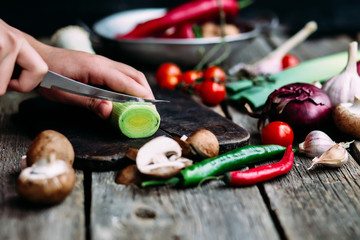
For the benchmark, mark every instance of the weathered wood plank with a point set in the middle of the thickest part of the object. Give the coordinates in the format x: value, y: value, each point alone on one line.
x: 18, y: 219
x: 211, y: 211
x: 318, y: 204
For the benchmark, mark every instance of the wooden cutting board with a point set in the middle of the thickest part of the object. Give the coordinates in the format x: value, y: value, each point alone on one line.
x: 99, y: 146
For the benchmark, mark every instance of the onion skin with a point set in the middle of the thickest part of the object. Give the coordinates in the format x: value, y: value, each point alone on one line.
x: 303, y: 106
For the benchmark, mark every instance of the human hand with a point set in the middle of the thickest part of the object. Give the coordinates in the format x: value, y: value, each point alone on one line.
x: 15, y: 49
x: 95, y: 70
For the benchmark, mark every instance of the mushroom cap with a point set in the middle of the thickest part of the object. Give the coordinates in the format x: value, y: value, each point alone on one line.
x: 161, y: 157
x: 46, y: 182
x: 347, y: 118
x: 47, y: 142
x: 204, y: 142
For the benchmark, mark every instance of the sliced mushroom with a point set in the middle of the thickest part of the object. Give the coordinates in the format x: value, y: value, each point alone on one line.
x: 161, y: 157
x: 49, y: 180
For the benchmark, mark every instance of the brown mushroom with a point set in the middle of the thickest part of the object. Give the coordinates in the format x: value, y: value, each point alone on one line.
x: 47, y: 142
x: 48, y: 181
x: 199, y: 145
x: 347, y: 117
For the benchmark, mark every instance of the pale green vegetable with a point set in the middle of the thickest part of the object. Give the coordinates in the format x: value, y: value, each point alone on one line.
x: 318, y: 69
x: 135, y: 120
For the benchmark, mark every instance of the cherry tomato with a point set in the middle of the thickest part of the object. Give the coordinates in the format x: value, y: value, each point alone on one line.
x: 214, y: 73
x: 212, y: 93
x: 289, y: 60
x: 189, y: 77
x: 169, y: 81
x: 165, y: 70
x: 277, y: 132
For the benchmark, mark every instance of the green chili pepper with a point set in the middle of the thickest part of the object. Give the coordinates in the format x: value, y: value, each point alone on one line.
x: 218, y: 165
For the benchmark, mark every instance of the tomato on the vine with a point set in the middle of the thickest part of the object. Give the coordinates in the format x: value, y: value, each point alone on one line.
x: 214, y: 73
x: 277, y: 132
x: 165, y: 70
x: 189, y: 77
x: 169, y: 82
x: 289, y: 60
x: 212, y: 93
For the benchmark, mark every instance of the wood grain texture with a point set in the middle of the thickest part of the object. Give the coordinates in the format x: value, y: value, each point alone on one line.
x: 211, y: 211
x: 19, y: 219
x: 322, y: 203
x: 318, y: 204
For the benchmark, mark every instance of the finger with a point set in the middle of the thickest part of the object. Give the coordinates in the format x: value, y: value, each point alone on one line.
x: 6, y: 70
x: 101, y: 107
x: 121, y: 81
x: 33, y: 69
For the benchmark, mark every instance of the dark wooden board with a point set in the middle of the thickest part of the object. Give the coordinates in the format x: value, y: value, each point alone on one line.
x: 99, y: 146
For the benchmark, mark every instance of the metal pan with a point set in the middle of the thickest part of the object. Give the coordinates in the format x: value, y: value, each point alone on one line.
x: 154, y: 51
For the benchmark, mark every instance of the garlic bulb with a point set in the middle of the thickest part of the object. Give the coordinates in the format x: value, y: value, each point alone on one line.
x: 336, y: 156
x: 316, y: 143
x: 74, y: 38
x: 344, y: 86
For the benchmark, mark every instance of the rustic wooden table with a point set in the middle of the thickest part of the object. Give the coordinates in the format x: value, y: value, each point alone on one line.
x: 319, y: 204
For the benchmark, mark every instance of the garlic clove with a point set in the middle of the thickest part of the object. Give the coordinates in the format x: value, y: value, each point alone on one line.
x: 336, y: 156
x: 316, y: 143
x: 344, y: 86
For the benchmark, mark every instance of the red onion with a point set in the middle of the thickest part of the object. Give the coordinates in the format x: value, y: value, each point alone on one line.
x: 303, y: 106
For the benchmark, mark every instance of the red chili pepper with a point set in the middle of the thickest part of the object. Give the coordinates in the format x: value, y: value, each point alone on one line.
x: 194, y: 11
x: 261, y: 173
x: 180, y: 31
x: 184, y: 31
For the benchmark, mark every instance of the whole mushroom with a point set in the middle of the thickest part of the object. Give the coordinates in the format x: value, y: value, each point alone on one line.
x: 347, y: 117
x: 201, y: 144
x: 48, y: 181
x: 47, y: 142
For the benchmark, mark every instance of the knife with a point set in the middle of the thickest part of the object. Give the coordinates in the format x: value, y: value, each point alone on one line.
x: 56, y: 81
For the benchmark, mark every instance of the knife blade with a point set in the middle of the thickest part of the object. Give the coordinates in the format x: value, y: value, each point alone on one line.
x: 56, y: 81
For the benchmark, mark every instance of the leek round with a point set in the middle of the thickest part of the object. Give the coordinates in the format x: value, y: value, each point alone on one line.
x: 135, y: 120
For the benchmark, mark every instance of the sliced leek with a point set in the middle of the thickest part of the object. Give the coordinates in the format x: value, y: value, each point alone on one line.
x: 319, y: 69
x: 135, y: 120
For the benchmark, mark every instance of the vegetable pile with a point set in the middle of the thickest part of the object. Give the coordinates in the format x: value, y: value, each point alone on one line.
x: 208, y: 84
x: 181, y: 21
x: 189, y: 161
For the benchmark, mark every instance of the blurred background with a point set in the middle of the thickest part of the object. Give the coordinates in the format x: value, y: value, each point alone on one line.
x: 44, y: 17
